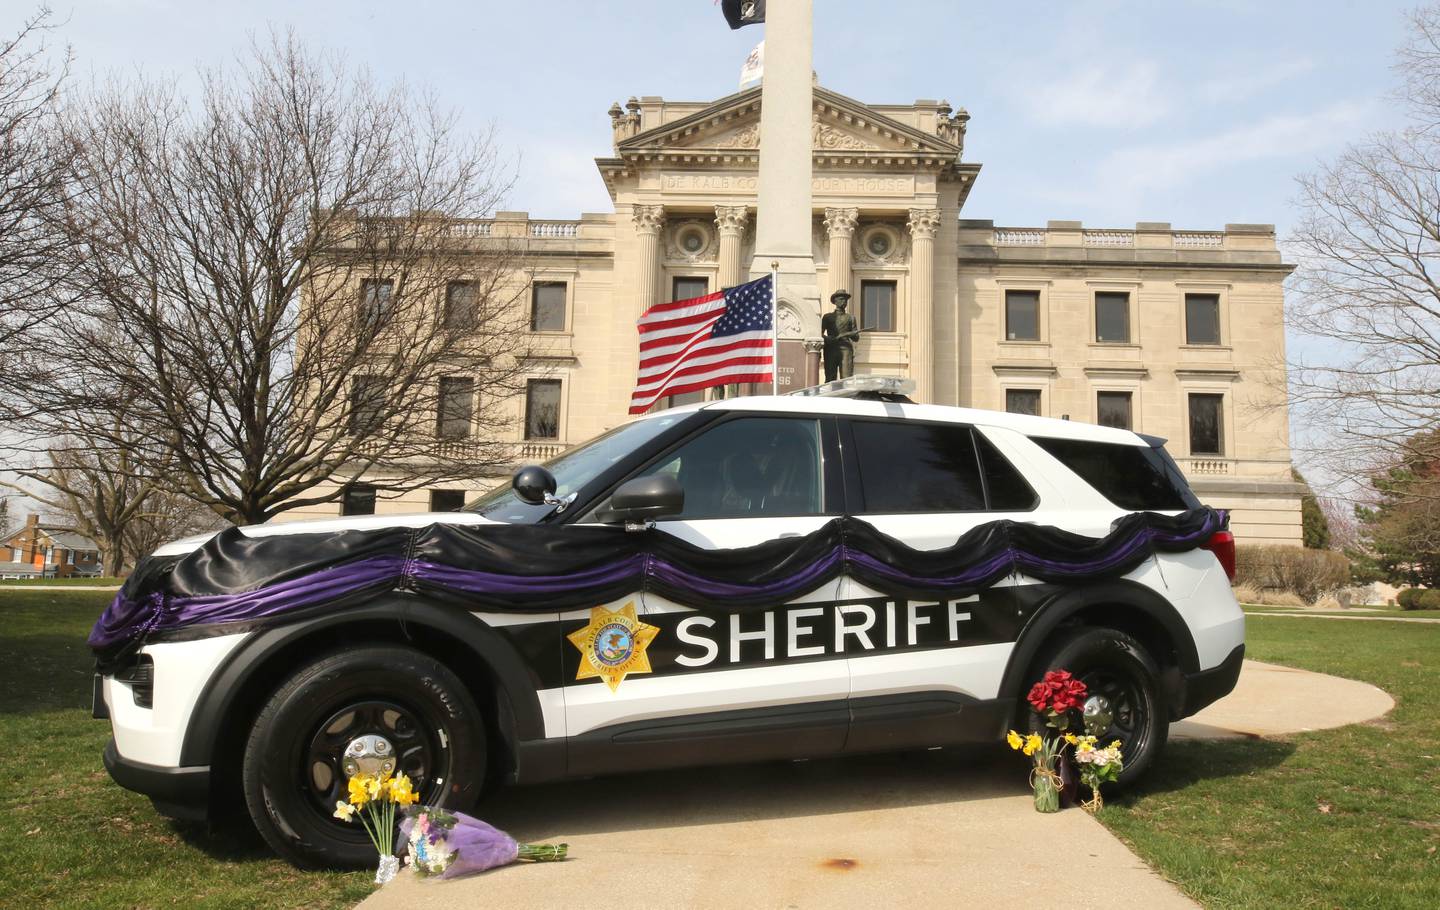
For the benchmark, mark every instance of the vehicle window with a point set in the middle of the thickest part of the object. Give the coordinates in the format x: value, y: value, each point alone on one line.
x: 1007, y: 489
x: 911, y: 467
x: 574, y: 469
x: 1132, y: 477
x: 751, y: 467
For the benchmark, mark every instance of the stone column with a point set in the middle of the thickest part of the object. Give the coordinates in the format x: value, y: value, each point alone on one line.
x: 731, y: 220
x: 648, y: 220
x: 784, y: 209
x: 840, y: 225
x: 924, y: 224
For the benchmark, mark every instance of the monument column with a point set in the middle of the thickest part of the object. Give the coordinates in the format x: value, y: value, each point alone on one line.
x: 785, y: 207
x: 924, y: 223
x: 648, y: 221
x: 840, y: 225
x: 731, y: 220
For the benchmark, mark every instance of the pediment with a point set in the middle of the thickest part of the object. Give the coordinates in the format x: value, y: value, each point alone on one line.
x: 839, y: 124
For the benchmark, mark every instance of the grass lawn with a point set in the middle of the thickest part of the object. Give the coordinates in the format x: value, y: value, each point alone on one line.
x: 71, y: 837
x: 1341, y: 818
x: 1363, y: 612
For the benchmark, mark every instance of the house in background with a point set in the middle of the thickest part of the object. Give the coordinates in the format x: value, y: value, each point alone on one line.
x: 47, y: 551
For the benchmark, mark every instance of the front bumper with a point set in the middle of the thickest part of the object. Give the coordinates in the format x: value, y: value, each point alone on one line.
x: 182, y: 793
x: 1208, y: 686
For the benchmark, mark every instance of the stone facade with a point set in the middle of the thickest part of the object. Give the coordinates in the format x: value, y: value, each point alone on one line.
x: 889, y: 185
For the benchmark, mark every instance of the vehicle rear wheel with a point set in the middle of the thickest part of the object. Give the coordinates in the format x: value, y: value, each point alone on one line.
x: 380, y: 702
x: 1122, y: 676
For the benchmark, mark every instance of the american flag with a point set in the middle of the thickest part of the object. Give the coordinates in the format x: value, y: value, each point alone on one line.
x: 688, y: 345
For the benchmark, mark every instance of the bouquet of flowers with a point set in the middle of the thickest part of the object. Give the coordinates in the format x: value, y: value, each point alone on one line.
x: 373, y: 798
x: 452, y: 844
x: 1056, y: 698
x: 1097, y: 766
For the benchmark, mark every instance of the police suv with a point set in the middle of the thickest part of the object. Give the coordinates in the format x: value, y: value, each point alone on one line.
x: 282, y: 713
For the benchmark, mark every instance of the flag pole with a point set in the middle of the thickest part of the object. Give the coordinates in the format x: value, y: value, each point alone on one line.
x: 774, y: 327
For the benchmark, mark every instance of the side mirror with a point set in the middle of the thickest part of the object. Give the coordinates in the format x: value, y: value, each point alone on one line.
x: 645, y: 499
x: 533, y: 485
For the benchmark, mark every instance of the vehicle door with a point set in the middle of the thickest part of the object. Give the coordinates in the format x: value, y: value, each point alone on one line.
x: 745, y: 683
x: 928, y: 666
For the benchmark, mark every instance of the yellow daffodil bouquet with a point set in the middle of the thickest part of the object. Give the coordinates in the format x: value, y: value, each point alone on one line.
x: 1045, y: 752
x: 373, y: 798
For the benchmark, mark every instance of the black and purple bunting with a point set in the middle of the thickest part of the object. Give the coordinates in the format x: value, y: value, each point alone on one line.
x: 236, y: 581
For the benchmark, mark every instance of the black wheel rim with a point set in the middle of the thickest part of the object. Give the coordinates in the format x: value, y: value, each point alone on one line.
x: 1130, y: 716
x: 416, y: 741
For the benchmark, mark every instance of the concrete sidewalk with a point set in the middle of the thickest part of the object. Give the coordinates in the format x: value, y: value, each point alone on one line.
x: 924, y: 829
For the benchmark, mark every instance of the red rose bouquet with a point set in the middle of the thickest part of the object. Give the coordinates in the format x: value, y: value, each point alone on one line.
x: 1055, y: 696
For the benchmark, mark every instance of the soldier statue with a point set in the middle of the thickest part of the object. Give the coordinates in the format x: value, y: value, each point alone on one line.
x: 839, y: 330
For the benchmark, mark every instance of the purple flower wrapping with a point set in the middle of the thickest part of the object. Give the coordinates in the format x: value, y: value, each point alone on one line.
x: 476, y: 845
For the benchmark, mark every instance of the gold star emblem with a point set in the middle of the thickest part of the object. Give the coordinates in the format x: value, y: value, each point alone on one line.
x: 613, y: 645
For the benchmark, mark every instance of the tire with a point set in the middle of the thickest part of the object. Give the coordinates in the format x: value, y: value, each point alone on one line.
x: 1113, y: 664
x: 292, y: 777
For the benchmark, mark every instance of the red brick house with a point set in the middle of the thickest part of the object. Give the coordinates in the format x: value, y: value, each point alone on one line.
x: 47, y: 551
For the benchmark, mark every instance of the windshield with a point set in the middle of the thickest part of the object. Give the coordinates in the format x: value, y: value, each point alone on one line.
x: 574, y: 469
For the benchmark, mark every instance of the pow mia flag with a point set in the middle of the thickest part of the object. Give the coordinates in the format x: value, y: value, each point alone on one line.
x: 740, y: 13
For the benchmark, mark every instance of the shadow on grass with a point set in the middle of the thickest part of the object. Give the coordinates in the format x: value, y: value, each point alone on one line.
x: 1192, y: 761
x: 48, y: 672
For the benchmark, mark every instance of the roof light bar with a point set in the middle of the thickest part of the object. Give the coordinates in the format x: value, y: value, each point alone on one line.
x: 855, y: 385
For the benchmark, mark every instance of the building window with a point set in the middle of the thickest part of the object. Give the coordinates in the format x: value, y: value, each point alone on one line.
x: 377, y: 301
x: 1112, y: 317
x: 1202, y: 318
x: 686, y: 288
x: 1207, y: 435
x: 1022, y: 315
x: 547, y: 306
x: 542, y: 409
x: 457, y: 407
x: 367, y: 404
x: 1023, y: 401
x: 1112, y: 409
x: 877, y: 306
x: 447, y: 500
x: 359, y: 499
x: 462, y: 305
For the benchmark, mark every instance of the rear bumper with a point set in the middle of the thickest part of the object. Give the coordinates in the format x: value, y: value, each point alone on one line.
x: 182, y: 793
x: 1208, y: 686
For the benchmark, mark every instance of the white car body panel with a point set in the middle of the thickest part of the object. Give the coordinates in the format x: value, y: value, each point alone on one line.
x: 155, y: 735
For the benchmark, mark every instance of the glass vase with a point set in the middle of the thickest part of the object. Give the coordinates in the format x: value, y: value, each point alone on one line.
x: 1046, y: 784
x: 389, y: 865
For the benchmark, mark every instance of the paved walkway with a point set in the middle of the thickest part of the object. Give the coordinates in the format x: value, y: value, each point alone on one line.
x: 1310, y: 614
x: 924, y: 829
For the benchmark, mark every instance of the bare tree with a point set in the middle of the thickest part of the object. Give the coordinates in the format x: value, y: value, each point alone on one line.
x: 98, y: 492
x: 281, y: 290
x: 34, y: 160
x: 1369, y: 294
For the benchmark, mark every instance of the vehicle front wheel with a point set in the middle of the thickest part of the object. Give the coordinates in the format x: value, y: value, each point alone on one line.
x: 1122, y: 677
x: 367, y: 703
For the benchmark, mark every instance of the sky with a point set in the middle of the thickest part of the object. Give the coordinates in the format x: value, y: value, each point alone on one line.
x: 1196, y: 112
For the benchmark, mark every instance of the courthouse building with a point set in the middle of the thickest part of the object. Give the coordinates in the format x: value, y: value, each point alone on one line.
x: 1169, y: 332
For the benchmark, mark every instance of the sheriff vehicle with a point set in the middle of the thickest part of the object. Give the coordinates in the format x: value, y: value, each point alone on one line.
x: 279, y: 713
